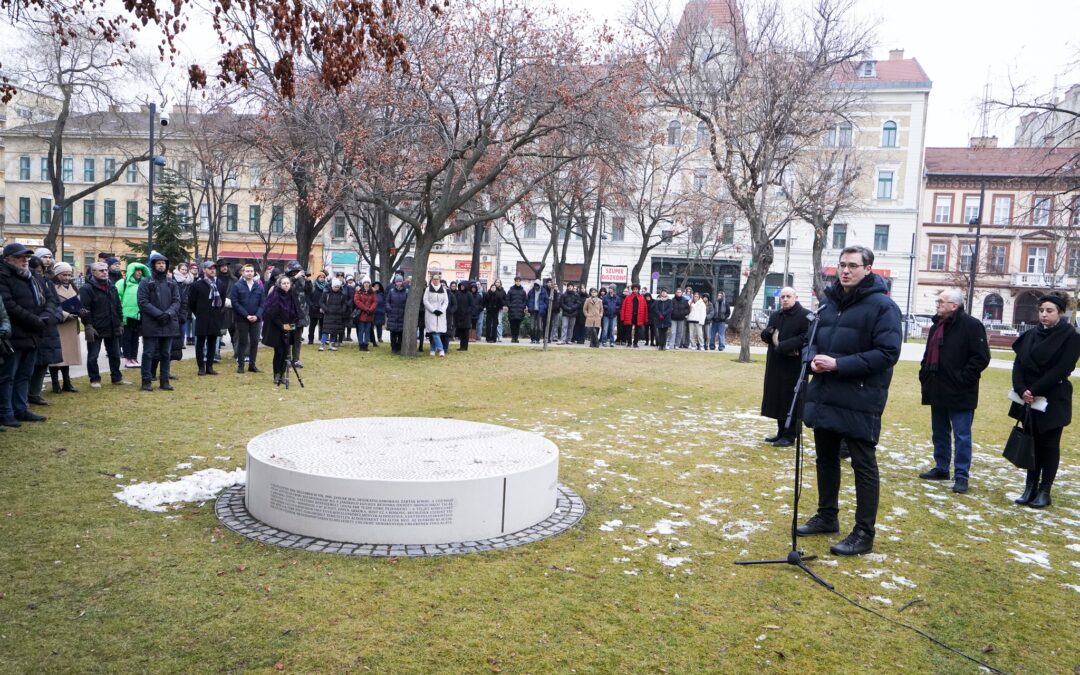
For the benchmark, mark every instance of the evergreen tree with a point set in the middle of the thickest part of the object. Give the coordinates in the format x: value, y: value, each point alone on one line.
x: 171, y: 237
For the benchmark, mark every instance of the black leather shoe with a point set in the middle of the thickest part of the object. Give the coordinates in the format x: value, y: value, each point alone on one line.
x: 960, y: 486
x: 11, y: 422
x: 37, y: 400
x: 1030, y: 489
x: 784, y: 443
x: 856, y: 543
x: 202, y: 371
x: 1041, y: 501
x: 768, y: 439
x: 934, y: 474
x: 67, y: 387
x: 31, y: 417
x: 817, y: 525
x: 253, y: 369
x: 165, y: 386
x: 211, y: 371
x: 146, y: 386
x: 240, y: 368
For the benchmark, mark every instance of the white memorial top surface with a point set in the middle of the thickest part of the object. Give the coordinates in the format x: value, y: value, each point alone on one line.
x: 402, y: 448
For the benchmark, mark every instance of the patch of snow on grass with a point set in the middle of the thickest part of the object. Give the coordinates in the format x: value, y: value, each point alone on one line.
x: 197, y: 487
x: 610, y: 525
x: 1035, y: 557
x: 740, y: 529
x: 671, y: 561
x: 665, y: 526
x: 878, y: 598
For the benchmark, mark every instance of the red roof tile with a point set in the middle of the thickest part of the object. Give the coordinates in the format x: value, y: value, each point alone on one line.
x: 1032, y: 162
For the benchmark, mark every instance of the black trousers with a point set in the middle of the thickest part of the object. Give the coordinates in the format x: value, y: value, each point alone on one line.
x: 594, y: 336
x: 867, y: 483
x: 463, y: 335
x: 1047, y: 456
x: 205, y: 348
x: 247, y: 341
x: 661, y: 337
x: 395, y: 341
x: 491, y: 322
x: 281, y: 355
x: 515, y: 329
x: 313, y: 328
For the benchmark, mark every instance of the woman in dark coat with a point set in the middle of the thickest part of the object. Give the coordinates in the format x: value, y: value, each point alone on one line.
x: 315, y: 293
x: 336, y: 305
x: 660, y: 318
x: 396, y: 299
x: 380, y: 313
x: 49, y: 348
x: 494, y: 301
x: 785, y: 336
x: 1045, y: 357
x: 463, y: 313
x: 280, y: 325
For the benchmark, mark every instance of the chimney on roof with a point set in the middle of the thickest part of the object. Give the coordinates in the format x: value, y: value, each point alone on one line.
x: 983, y: 142
x: 113, y: 108
x: 896, y: 54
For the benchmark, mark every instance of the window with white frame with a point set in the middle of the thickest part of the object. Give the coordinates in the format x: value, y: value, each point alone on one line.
x: 1002, y: 209
x: 888, y: 135
x: 132, y: 175
x: 702, y: 133
x: 110, y: 167
x: 881, y: 238
x: 995, y: 263
x: 885, y: 185
x: 701, y: 178
x: 971, y: 209
x: 845, y: 137
x: 204, y: 216
x: 1040, y: 211
x: 938, y: 255
x: 942, y: 208
x: 674, y: 132
x: 967, y: 252
x: 1036, y: 260
x: 618, y: 228
x: 839, y: 235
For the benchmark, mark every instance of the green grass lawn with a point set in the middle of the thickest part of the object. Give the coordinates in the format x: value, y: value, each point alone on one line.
x: 665, y: 450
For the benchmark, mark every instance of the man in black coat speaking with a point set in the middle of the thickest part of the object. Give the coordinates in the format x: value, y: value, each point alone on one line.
x: 857, y: 343
x: 956, y: 354
x: 784, y: 336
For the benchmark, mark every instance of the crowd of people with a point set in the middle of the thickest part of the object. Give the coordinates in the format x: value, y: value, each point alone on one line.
x: 850, y: 345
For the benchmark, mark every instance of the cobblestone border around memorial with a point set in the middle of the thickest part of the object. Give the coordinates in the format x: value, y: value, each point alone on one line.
x: 232, y: 512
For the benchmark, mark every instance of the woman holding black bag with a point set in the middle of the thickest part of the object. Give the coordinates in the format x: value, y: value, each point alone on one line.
x: 1045, y: 357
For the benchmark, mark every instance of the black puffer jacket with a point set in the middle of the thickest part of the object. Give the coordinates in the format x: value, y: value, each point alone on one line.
x: 861, y: 330
x: 570, y: 303
x: 465, y: 307
x: 102, y: 307
x: 23, y: 308
x: 49, y: 348
x: 159, y: 303
x: 517, y: 302
x: 494, y: 300
x: 396, y: 299
x: 336, y: 308
x: 680, y: 308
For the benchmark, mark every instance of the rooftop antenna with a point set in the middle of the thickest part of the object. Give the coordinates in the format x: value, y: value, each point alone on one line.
x: 984, y: 115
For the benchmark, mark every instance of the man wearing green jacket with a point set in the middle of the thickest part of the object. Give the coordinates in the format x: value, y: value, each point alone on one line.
x: 128, y: 289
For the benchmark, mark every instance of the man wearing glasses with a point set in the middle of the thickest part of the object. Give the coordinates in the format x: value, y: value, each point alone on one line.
x: 856, y: 345
x: 956, y: 354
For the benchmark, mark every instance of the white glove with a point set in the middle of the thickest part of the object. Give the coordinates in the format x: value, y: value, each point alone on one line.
x: 228, y: 303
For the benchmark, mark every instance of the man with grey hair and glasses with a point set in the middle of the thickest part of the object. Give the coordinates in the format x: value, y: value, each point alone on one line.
x: 956, y: 354
x: 101, y: 315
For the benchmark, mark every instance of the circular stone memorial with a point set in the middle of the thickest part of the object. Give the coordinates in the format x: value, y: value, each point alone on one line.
x: 402, y: 481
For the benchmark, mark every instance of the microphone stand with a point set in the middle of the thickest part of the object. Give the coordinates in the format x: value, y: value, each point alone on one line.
x: 795, y: 556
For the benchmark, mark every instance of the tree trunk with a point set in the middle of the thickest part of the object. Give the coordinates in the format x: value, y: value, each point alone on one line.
x: 305, y: 233
x: 416, y: 296
x: 819, y: 247
x: 744, y: 305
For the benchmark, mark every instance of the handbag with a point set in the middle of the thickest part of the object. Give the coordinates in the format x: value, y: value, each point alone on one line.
x: 1020, y: 448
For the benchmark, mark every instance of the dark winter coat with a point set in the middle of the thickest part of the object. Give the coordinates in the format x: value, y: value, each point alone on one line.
x: 209, y: 320
x: 275, y: 317
x: 465, y: 308
x: 228, y: 281
x: 537, y: 300
x: 247, y: 302
x: 365, y: 303
x: 336, y: 308
x: 299, y: 291
x: 315, y: 293
x: 635, y: 310
x: 570, y: 303
x: 395, y: 308
x: 24, y: 309
x: 159, y: 306
x: 49, y: 349
x: 661, y: 313
x: 680, y: 308
x: 861, y: 330
x: 1044, y: 360
x: 102, y: 308
x: 782, y: 361
x: 612, y: 304
x: 380, y: 308
x: 517, y: 302
x: 963, y: 353
x: 451, y: 307
x: 494, y: 300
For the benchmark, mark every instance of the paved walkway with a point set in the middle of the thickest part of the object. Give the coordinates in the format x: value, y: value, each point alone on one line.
x: 910, y: 352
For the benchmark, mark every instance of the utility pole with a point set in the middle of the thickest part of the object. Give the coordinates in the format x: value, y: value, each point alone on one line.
x: 977, y: 222
x: 153, y: 160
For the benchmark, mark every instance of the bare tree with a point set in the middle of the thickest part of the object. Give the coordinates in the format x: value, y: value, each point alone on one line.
x: 820, y: 188
x: 381, y: 241
x: 83, y: 74
x: 766, y: 83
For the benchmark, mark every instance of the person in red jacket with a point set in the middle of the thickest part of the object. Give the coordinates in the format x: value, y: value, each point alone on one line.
x: 635, y: 314
x: 365, y: 301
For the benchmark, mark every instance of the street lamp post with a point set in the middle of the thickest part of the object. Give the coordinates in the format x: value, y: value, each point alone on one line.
x: 977, y: 222
x: 155, y: 161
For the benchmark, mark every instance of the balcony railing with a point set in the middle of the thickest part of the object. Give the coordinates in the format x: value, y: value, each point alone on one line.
x: 1032, y: 280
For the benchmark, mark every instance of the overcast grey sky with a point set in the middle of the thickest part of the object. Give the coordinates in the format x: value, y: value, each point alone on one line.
x: 961, y: 45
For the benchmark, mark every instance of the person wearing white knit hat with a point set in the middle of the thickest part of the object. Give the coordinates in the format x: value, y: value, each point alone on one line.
x: 68, y: 329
